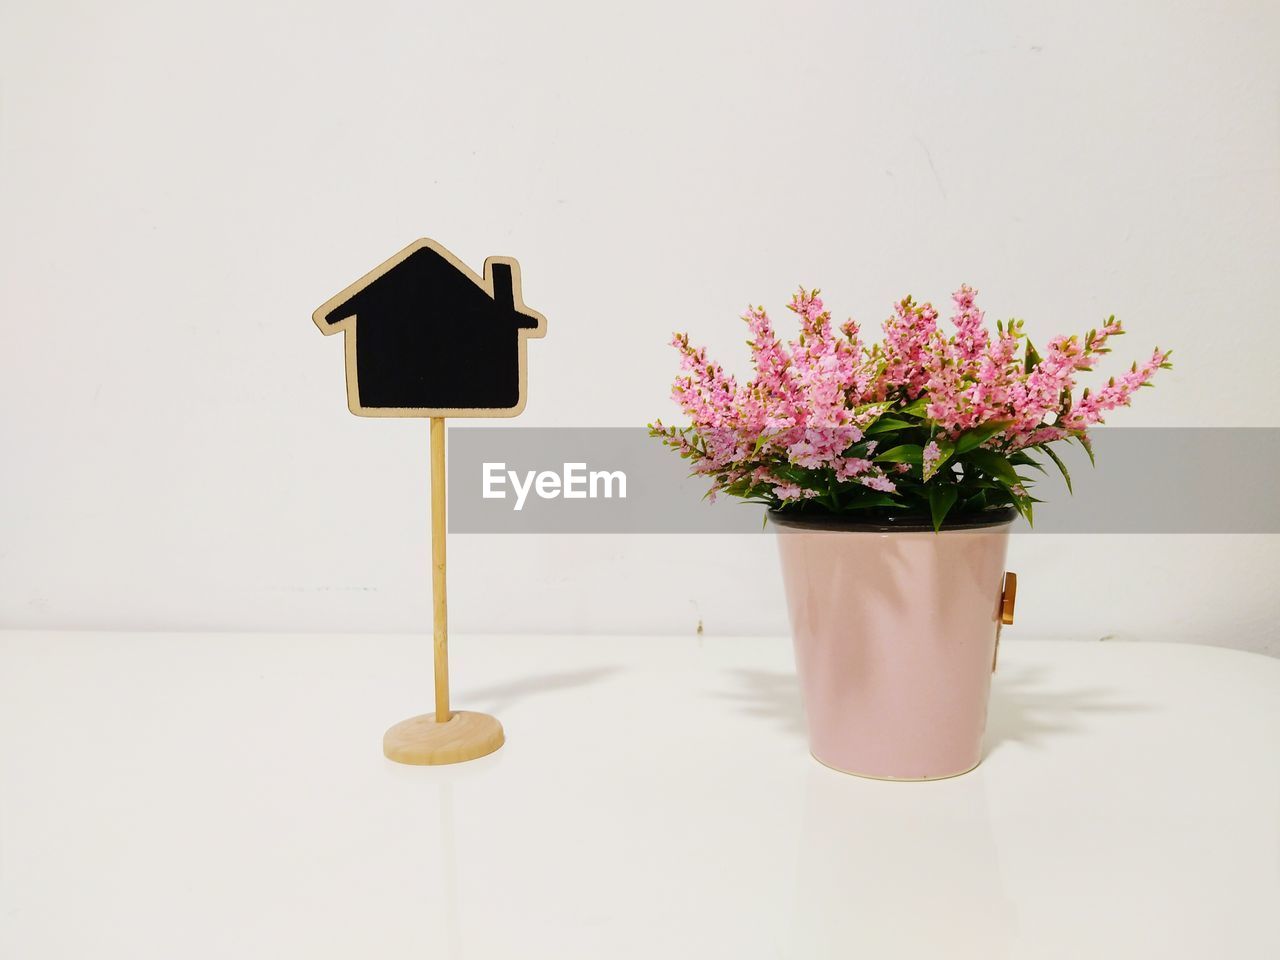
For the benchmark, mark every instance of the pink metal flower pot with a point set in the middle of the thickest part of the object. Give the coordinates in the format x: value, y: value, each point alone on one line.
x: 895, y: 631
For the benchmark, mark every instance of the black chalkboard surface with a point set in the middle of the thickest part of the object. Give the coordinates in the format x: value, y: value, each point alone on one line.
x: 427, y: 337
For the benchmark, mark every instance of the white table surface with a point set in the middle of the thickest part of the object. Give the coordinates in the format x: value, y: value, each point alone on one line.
x: 191, y: 796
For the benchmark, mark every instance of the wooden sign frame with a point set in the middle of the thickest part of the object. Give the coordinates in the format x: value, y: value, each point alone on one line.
x: 447, y: 735
x: 350, y: 327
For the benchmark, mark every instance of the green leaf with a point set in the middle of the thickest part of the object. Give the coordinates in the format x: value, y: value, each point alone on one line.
x: 942, y: 497
x: 916, y: 408
x: 995, y: 465
x: 1032, y: 357
x: 971, y: 439
x: 875, y: 409
x: 761, y: 441
x: 874, y: 500
x: 905, y: 453
x: 945, y: 449
x: 1022, y: 459
x: 1061, y: 466
x: 887, y: 425
x: 1084, y: 441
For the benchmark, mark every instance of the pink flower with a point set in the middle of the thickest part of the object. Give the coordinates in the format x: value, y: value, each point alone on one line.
x: 1118, y: 392
x: 932, y: 456
x: 881, y: 483
x: 848, y: 467
x: 972, y: 341
x: 811, y: 399
x: 908, y: 334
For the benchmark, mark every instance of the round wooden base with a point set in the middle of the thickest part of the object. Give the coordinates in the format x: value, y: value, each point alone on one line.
x: 421, y: 740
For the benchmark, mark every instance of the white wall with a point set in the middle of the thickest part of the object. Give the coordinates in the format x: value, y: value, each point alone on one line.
x: 181, y: 184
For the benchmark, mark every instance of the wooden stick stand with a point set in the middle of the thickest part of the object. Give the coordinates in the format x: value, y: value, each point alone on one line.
x: 446, y: 736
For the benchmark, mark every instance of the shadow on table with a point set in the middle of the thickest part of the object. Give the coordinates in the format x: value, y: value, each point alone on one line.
x: 771, y: 696
x: 1020, y: 709
x: 498, y: 697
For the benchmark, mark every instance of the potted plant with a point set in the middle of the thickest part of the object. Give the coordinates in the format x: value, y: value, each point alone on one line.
x: 892, y: 472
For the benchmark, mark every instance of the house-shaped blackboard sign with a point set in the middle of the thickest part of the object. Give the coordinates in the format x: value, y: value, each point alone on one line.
x: 427, y: 337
